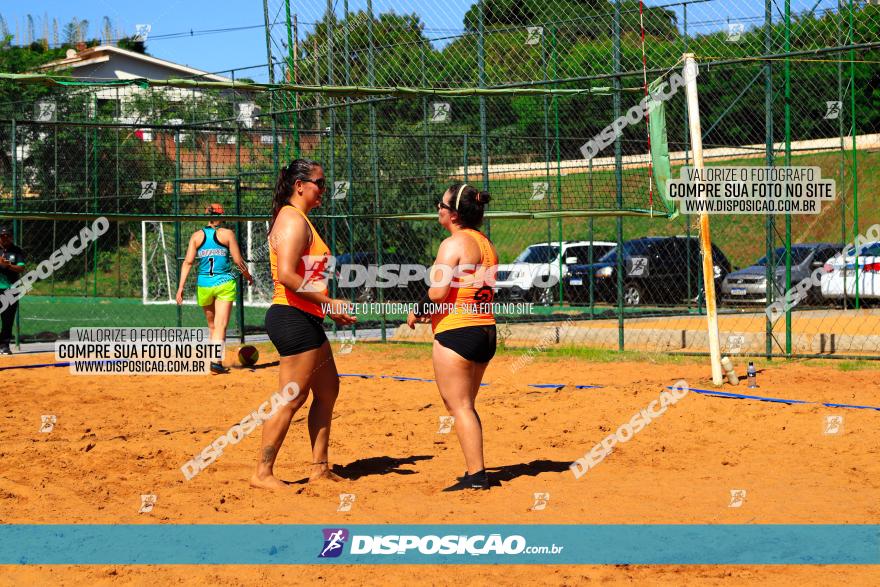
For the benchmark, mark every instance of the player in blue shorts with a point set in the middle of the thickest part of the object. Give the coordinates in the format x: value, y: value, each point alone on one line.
x: 219, y: 260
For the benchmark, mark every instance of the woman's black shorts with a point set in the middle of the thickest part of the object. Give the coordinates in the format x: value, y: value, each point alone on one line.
x: 293, y: 331
x: 474, y: 343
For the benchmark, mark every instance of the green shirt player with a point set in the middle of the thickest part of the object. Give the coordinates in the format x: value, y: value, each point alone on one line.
x: 217, y: 252
x: 11, y: 267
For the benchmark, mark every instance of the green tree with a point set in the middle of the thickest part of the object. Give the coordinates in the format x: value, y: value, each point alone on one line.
x: 584, y: 18
x: 132, y: 44
x: 403, y: 56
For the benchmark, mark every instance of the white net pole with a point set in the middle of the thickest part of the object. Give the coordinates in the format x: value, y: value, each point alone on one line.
x: 690, y: 76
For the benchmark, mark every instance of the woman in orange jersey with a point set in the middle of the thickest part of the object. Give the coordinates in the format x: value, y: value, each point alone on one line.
x: 460, y: 307
x: 299, y: 259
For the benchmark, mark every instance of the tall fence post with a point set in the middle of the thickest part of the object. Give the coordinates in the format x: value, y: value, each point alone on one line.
x: 618, y: 174
x: 349, y: 155
x: 545, y: 54
x: 268, y: 42
x: 95, y: 170
x: 770, y: 219
x: 291, y: 103
x: 590, y: 256
x: 319, y: 120
x: 16, y: 224
x: 331, y: 176
x: 87, y: 159
x: 55, y: 197
x: 118, y: 224
x: 855, y: 167
x: 554, y: 57
x: 425, y: 124
x: 464, y: 149
x: 177, y: 226
x: 787, y: 106
x: 240, y: 277
x: 296, y: 145
x: 841, y: 171
x: 687, y: 162
x: 238, y: 211
x: 374, y: 156
x: 481, y: 82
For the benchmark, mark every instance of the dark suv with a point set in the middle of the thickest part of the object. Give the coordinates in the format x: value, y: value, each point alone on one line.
x: 660, y: 270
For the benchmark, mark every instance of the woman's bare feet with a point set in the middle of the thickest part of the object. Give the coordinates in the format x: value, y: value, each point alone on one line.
x: 267, y: 482
x: 323, y: 472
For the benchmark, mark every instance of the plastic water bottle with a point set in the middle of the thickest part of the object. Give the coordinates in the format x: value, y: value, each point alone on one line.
x: 752, y: 374
x: 727, y: 366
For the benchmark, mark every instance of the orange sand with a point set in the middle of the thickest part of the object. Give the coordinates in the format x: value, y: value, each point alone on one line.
x: 119, y: 437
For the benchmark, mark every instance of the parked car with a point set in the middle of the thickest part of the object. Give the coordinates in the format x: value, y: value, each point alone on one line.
x: 749, y: 285
x: 839, y: 279
x: 662, y: 270
x: 368, y: 292
x: 534, y: 275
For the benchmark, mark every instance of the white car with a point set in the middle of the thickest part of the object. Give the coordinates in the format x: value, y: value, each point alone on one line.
x: 534, y: 275
x: 839, y: 279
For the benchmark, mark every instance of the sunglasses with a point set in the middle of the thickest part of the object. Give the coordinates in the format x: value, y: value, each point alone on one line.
x: 321, y: 183
x: 442, y: 205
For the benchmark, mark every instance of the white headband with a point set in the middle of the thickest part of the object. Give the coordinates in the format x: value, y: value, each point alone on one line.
x: 458, y: 198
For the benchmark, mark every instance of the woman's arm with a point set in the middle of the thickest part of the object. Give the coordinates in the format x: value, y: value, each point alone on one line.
x: 235, y: 252
x: 187, y: 264
x: 13, y: 267
x: 441, y: 272
x: 448, y: 256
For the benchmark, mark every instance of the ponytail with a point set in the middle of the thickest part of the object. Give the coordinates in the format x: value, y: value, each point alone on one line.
x: 299, y: 169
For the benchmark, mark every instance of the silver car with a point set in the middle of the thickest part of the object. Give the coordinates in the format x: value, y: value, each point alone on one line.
x: 749, y: 285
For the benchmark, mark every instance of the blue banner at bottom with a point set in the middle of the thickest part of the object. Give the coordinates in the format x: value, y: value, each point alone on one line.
x: 170, y: 544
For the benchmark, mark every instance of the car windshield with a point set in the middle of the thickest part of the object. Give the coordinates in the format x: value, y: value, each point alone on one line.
x: 798, y: 256
x: 630, y: 248
x: 538, y: 254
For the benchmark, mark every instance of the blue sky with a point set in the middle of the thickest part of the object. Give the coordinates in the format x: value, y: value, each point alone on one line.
x: 238, y: 49
x: 214, y: 52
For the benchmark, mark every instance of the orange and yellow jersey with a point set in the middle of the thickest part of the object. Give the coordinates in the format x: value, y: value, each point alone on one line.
x: 471, y: 293
x: 312, y: 267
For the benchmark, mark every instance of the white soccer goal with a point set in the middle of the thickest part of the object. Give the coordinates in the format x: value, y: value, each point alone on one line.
x: 256, y: 251
x: 159, y: 267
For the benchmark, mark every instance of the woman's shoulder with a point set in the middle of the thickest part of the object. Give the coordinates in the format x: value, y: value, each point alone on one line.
x: 290, y: 216
x: 288, y: 223
x: 469, y: 235
x: 198, y: 237
x: 462, y: 242
x: 224, y: 235
x: 457, y: 240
